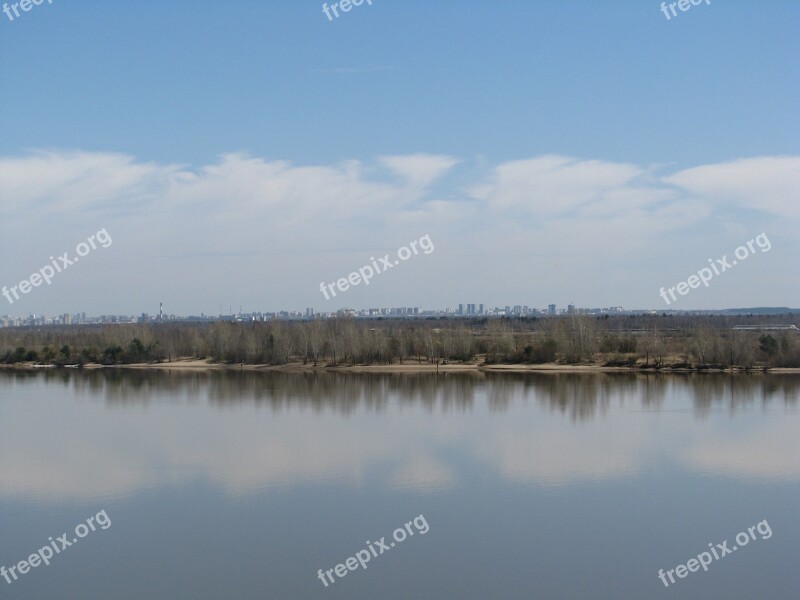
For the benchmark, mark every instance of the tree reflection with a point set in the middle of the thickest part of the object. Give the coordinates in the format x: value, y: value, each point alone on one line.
x: 581, y: 396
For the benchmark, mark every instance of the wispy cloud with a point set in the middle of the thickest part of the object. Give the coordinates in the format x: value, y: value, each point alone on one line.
x: 299, y: 223
x: 768, y: 184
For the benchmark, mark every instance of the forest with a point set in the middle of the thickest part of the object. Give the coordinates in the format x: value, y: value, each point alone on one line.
x: 636, y: 341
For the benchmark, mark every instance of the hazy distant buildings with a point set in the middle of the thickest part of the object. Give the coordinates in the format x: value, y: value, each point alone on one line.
x: 464, y: 310
x: 471, y: 310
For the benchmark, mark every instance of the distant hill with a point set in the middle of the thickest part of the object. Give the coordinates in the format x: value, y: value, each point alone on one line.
x: 761, y: 310
x: 755, y: 311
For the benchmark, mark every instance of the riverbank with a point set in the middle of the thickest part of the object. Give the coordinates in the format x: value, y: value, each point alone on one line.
x: 575, y: 342
x: 193, y: 364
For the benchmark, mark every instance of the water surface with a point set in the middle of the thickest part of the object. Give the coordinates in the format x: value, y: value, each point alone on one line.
x: 242, y: 485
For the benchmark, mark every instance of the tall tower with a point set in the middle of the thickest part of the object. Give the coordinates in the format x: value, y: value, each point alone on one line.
x: 160, y: 311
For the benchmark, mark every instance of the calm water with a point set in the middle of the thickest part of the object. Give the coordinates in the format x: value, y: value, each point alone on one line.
x: 533, y: 486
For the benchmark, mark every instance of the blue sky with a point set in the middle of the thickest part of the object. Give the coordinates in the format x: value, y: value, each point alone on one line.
x: 171, y: 88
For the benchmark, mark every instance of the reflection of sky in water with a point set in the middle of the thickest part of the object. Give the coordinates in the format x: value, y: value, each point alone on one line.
x: 245, y: 432
x: 542, y: 464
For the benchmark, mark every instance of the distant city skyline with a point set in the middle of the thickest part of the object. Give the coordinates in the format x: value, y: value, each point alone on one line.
x: 418, y: 312
x: 461, y: 310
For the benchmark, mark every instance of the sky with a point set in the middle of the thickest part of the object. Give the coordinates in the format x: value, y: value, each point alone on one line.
x: 240, y: 154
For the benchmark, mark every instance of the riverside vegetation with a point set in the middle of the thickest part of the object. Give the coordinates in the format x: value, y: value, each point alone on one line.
x: 635, y: 341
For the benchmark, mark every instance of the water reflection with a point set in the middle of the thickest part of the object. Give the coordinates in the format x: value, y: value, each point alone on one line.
x: 579, y: 394
x: 108, y: 432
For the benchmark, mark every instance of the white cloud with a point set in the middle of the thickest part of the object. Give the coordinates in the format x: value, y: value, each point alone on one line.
x: 550, y: 185
x: 71, y: 181
x: 419, y: 170
x: 770, y: 183
x: 300, y: 224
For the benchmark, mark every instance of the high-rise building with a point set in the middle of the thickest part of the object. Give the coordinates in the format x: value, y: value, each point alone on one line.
x: 571, y: 309
x: 551, y: 310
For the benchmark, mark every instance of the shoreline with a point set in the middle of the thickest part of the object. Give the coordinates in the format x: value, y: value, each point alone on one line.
x: 408, y: 368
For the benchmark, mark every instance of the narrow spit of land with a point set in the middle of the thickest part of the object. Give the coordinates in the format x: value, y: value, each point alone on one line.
x: 193, y: 364
x: 572, y: 343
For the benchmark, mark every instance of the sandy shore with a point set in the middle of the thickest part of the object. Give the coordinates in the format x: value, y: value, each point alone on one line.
x: 194, y: 364
x: 191, y: 364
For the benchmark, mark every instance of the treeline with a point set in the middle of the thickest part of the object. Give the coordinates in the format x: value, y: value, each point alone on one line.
x: 646, y: 341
